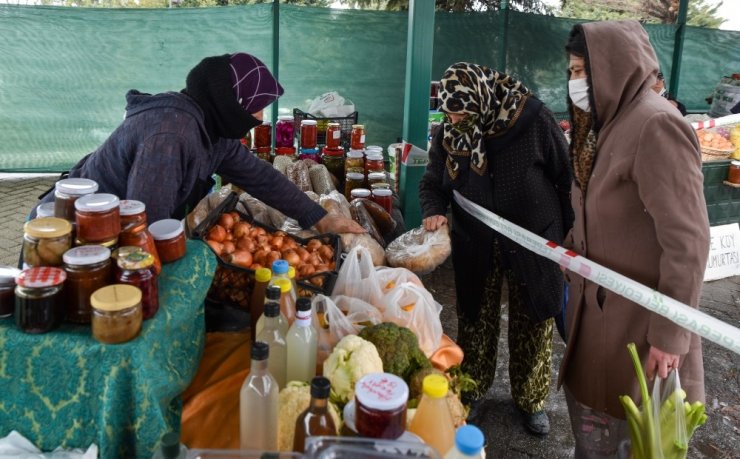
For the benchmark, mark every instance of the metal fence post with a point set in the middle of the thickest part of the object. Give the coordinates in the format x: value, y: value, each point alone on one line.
x: 504, y: 35
x: 275, y: 60
x: 678, y: 47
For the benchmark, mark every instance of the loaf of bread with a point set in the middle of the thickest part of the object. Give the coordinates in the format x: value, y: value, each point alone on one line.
x: 419, y: 250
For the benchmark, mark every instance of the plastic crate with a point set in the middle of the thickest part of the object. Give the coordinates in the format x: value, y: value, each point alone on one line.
x: 345, y: 123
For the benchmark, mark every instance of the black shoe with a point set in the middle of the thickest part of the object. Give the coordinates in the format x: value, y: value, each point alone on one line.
x: 537, y: 423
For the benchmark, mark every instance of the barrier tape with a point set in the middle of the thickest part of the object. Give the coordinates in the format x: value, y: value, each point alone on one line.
x: 723, y: 121
x: 685, y: 316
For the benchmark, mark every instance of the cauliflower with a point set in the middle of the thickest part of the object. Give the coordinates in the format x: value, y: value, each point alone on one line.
x: 294, y: 400
x: 351, y: 359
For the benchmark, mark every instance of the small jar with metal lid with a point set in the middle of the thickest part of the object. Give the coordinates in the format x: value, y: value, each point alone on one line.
x: 376, y: 177
x: 38, y: 299
x: 45, y: 210
x: 353, y: 180
x: 384, y: 197
x: 355, y: 162
x: 370, y: 149
x: 285, y: 131
x: 137, y: 268
x: 380, y: 406
x: 169, y: 237
x: 45, y: 240
x: 333, y: 159
x: 88, y: 268
x: 380, y: 186
x: 309, y: 134
x: 116, y: 313
x: 374, y: 163
x: 263, y: 135
x: 333, y: 135
x: 98, y: 217
x: 134, y: 230
x: 357, y: 138
x: 67, y: 191
x: 360, y: 193
x: 8, y: 275
x: 121, y: 252
x: 733, y: 173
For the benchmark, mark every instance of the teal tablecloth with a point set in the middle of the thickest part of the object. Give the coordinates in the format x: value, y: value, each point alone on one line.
x: 65, y: 389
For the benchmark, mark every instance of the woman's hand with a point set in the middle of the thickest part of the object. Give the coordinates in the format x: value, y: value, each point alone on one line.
x: 434, y: 222
x: 333, y: 223
x: 662, y: 361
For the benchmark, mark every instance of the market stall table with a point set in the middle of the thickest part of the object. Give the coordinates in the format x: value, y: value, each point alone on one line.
x: 66, y: 389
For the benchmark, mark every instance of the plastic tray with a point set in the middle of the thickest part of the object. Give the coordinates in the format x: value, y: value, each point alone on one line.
x: 239, y: 454
x: 365, y: 448
x: 345, y: 123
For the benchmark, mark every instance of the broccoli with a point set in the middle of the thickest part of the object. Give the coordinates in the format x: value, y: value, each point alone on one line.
x: 398, y: 348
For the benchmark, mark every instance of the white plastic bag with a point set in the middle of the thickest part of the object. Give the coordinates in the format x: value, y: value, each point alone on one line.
x: 388, y: 278
x: 357, y: 278
x: 331, y: 105
x: 413, y: 307
x: 419, y: 250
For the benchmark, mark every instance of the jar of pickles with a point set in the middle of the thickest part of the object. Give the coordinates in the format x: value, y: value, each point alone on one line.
x: 353, y: 180
x: 45, y: 240
x: 98, y: 217
x: 380, y: 406
x: 169, y: 237
x: 136, y: 268
x: 374, y: 163
x: 264, y: 153
x: 284, y: 132
x: 263, y: 135
x: 134, y: 231
x: 116, y: 313
x: 333, y: 135
x: 67, y: 191
x: 38, y: 299
x: 376, y: 177
x: 333, y: 159
x: 355, y: 162
x: 359, y: 193
x: 357, y: 138
x: 8, y: 275
x: 384, y: 197
x: 309, y: 134
x: 88, y: 268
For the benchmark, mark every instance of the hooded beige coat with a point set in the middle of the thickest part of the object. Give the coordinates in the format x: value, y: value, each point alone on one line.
x: 643, y: 216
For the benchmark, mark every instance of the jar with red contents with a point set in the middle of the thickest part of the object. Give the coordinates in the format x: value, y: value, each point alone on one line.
x: 384, y: 197
x: 285, y: 132
x: 374, y: 163
x: 8, y: 276
x: 98, y: 217
x: 380, y: 406
x: 88, y: 268
x: 263, y: 135
x: 357, y: 137
x: 733, y: 173
x: 38, y: 299
x: 169, y: 237
x: 333, y: 135
x: 309, y: 134
x: 134, y: 231
x: 67, y: 191
x: 137, y: 269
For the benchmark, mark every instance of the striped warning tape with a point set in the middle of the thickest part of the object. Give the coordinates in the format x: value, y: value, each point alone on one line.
x: 723, y: 121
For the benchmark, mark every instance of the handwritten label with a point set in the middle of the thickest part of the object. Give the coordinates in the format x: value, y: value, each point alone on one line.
x: 724, y: 252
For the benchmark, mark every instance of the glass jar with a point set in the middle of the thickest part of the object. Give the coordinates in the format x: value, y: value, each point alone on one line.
x: 360, y: 193
x: 374, y: 163
x: 380, y: 186
x: 45, y: 210
x: 8, y: 276
x: 169, y: 237
x: 264, y: 153
x: 309, y: 134
x: 285, y: 151
x: 353, y: 180
x: 333, y: 135
x: 247, y: 140
x: 45, y: 240
x: 355, y: 162
x: 67, y: 191
x: 121, y: 252
x: 116, y: 313
x: 733, y: 173
x: 376, y: 177
x: 384, y: 197
x: 38, y: 299
x: 309, y: 153
x: 333, y: 159
x: 98, y: 217
x: 136, y: 268
x: 134, y: 231
x: 380, y: 406
x: 285, y: 132
x: 263, y: 135
x: 357, y: 138
x: 371, y: 149
x: 88, y: 269
x: 110, y: 245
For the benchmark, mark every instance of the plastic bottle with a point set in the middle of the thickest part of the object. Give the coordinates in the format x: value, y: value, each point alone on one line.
x: 433, y: 421
x: 275, y: 338
x: 273, y: 294
x: 469, y: 443
x: 291, y: 276
x: 302, y: 342
x: 256, y: 304
x: 258, y: 404
x: 170, y: 447
x: 280, y: 270
x: 315, y: 420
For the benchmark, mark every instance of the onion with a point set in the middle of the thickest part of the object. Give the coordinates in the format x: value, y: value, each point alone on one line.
x: 217, y: 247
x: 241, y: 229
x: 217, y: 233
x: 277, y: 242
x: 320, y: 268
x: 235, y: 215
x: 241, y: 258
x: 313, y: 244
x: 326, y: 253
x: 226, y: 220
x: 291, y: 257
x: 303, y: 253
x: 271, y: 257
x: 229, y: 247
x: 247, y: 244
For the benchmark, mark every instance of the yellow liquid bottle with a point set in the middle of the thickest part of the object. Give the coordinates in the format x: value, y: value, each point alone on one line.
x: 433, y: 421
x: 258, y: 404
x: 302, y: 343
x: 273, y: 294
x: 275, y: 339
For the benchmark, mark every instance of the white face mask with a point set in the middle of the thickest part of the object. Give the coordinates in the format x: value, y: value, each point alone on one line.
x: 578, y: 92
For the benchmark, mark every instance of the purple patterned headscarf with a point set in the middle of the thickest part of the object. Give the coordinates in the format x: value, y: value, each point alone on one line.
x: 253, y: 84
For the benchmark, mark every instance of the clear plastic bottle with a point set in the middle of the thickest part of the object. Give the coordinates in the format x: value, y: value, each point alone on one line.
x: 280, y: 270
x: 275, y: 338
x: 171, y: 448
x: 273, y: 294
x: 469, y: 443
x: 258, y: 404
x: 293, y: 283
x: 257, y: 303
x: 316, y: 419
x: 302, y: 342
x: 433, y: 421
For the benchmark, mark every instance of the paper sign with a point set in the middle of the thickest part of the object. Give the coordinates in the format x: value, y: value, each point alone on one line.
x: 724, y: 252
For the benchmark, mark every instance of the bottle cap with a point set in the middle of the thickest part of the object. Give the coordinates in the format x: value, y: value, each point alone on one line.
x: 272, y: 309
x: 303, y: 304
x: 291, y: 272
x: 115, y: 297
x: 280, y: 267
x: 260, y: 351
x: 97, y: 202
x: 284, y: 284
x: 273, y: 293
x: 435, y: 386
x: 263, y: 275
x: 469, y: 440
x: 47, y: 227
x: 132, y: 207
x: 170, y: 446
x: 320, y: 387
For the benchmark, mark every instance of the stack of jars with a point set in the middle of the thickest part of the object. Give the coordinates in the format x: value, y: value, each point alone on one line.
x: 333, y: 153
x: 263, y: 141
x: 309, y: 140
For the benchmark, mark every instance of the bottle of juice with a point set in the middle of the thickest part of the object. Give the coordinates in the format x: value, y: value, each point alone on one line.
x: 256, y: 304
x: 469, y: 442
x: 258, y: 404
x: 302, y: 342
x: 274, y: 337
x: 170, y: 447
x: 273, y: 294
x: 287, y: 301
x: 433, y: 421
x: 293, y: 283
x: 315, y: 420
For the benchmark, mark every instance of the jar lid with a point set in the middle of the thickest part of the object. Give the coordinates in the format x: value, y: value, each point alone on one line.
x: 382, y: 192
x: 285, y: 151
x: 97, y: 202
x: 166, y: 229
x: 355, y: 154
x: 375, y: 156
x: 309, y: 151
x: 332, y: 124
x: 377, y: 148
x: 309, y: 122
x: 380, y: 186
x: 358, y: 126
x: 285, y: 117
x: 360, y: 193
x: 263, y: 149
x: 115, y: 297
x: 86, y: 255
x: 8, y: 274
x: 735, y: 162
x: 376, y: 175
x: 135, y: 260
x: 381, y: 391
x: 355, y: 176
x: 47, y: 227
x: 45, y: 210
x: 435, y: 386
x: 125, y: 251
x: 41, y: 276
x: 339, y: 151
x: 266, y: 123
x: 132, y: 207
x: 76, y: 186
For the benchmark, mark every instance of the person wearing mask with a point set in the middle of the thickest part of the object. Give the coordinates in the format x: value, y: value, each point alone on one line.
x: 660, y: 88
x: 500, y: 147
x: 170, y: 144
x: 640, y: 211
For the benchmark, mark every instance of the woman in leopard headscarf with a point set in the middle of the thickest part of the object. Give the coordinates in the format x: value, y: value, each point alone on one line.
x: 501, y: 148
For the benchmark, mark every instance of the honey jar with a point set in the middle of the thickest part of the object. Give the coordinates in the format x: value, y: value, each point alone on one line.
x: 88, y: 268
x: 733, y: 173
x: 116, y: 313
x: 45, y: 240
x: 67, y: 191
x: 169, y: 237
x: 38, y: 302
x: 380, y: 406
x: 136, y: 268
x: 98, y: 217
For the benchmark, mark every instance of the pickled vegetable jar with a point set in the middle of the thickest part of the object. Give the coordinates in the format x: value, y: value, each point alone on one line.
x: 376, y: 177
x: 374, y: 163
x: 137, y: 269
x: 38, y: 299
x: 45, y: 240
x: 355, y: 162
x: 263, y: 135
x: 333, y: 159
x: 380, y: 406
x: 264, y: 153
x: 7, y: 290
x: 116, y: 313
x: 67, y: 191
x: 357, y: 138
x: 134, y: 231
x: 353, y: 180
x: 360, y: 193
x: 98, y: 217
x: 284, y: 132
x: 333, y: 135
x: 88, y: 268
x: 309, y: 134
x: 169, y: 237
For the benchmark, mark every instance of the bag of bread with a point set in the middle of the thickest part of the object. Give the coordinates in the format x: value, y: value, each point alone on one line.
x: 419, y: 250
x: 412, y: 306
x: 364, y: 240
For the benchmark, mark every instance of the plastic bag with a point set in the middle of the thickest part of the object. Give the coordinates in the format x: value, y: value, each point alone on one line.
x: 335, y: 203
x: 357, y: 278
x: 391, y: 277
x: 413, y: 307
x: 669, y: 417
x: 365, y: 241
x: 419, y: 250
x: 726, y: 95
x: 331, y: 324
x: 256, y: 208
x: 204, y: 208
x: 331, y: 105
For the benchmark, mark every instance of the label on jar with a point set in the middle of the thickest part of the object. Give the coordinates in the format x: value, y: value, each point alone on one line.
x: 335, y: 135
x: 381, y: 391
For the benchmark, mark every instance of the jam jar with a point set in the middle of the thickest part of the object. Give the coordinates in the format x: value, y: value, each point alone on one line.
x: 353, y: 180
x: 357, y: 137
x: 88, y: 268
x: 98, y: 217
x: 733, y: 173
x: 134, y: 231
x: 380, y: 406
x: 333, y: 159
x: 67, y: 191
x: 384, y: 197
x: 333, y: 135
x: 45, y: 210
x: 45, y: 240
x: 374, y: 163
x: 355, y: 162
x: 121, y: 252
x: 136, y: 268
x: 359, y: 193
x: 8, y: 276
x: 38, y: 299
x: 169, y: 237
x: 376, y: 177
x: 116, y: 313
x: 263, y: 135
x: 309, y: 136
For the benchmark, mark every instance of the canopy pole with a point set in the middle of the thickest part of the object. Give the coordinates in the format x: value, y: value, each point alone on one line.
x: 504, y: 35
x: 683, y: 8
x: 275, y: 61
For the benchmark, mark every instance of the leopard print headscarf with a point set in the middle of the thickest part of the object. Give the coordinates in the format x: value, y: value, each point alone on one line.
x: 582, y: 146
x: 494, y: 98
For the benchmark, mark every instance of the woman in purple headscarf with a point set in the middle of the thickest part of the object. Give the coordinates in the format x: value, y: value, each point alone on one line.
x: 170, y: 144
